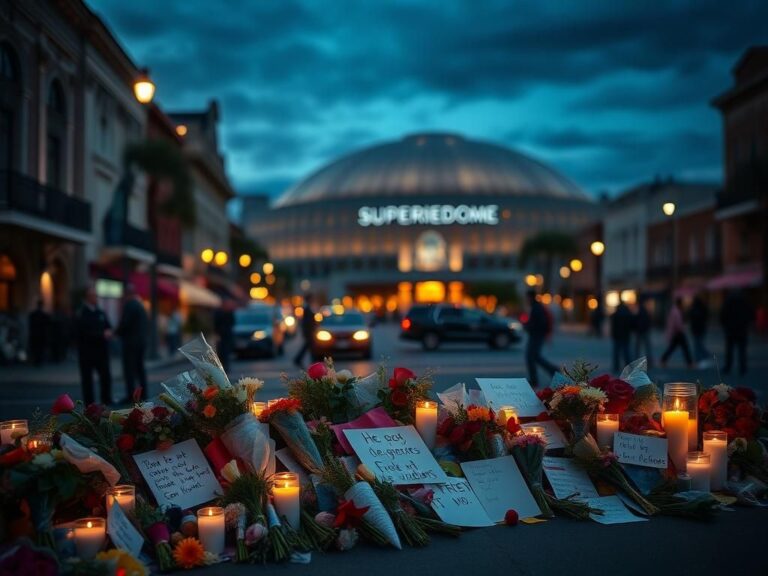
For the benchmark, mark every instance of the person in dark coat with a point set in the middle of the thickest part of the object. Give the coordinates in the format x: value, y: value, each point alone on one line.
x: 539, y: 327
x: 39, y: 322
x: 308, y: 326
x: 736, y: 316
x: 133, y: 331
x: 621, y: 332
x: 642, y: 326
x: 224, y: 325
x: 698, y: 318
x: 93, y: 333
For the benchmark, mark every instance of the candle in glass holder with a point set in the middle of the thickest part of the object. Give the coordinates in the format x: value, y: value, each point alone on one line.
x: 676, y: 427
x: 90, y: 534
x: 286, y: 496
x: 716, y: 445
x: 10, y: 430
x: 257, y: 408
x: 607, y: 426
x: 699, y: 469
x: 39, y: 443
x: 124, y: 495
x: 505, y: 413
x: 537, y: 431
x: 210, y: 529
x: 426, y: 421
x: 693, y: 432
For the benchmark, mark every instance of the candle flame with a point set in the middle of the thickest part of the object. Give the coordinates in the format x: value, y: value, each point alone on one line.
x: 678, y: 405
x: 89, y: 525
x: 210, y: 512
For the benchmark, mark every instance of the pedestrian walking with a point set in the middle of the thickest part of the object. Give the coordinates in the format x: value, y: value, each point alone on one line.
x: 676, y: 334
x: 133, y: 332
x: 621, y: 332
x: 224, y: 325
x: 736, y: 316
x: 173, y: 332
x: 642, y: 326
x: 39, y: 323
x: 93, y: 332
x: 308, y: 325
x: 698, y: 317
x: 539, y: 328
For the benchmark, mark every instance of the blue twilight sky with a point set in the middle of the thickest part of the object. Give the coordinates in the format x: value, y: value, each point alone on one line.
x: 610, y: 92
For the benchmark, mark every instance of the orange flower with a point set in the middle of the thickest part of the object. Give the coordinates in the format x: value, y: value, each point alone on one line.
x: 189, y: 553
x: 209, y: 411
x: 210, y: 392
x: 479, y: 413
x: 570, y: 389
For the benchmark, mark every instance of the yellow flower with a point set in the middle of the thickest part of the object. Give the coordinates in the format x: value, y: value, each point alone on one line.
x: 120, y: 559
x: 189, y: 553
x: 479, y: 413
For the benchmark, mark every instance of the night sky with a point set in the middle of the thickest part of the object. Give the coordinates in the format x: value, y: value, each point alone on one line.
x: 611, y: 93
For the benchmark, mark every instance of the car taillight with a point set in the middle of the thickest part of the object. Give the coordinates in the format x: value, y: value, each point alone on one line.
x: 524, y: 318
x: 405, y: 324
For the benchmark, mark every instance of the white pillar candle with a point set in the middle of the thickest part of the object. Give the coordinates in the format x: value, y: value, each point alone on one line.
x: 124, y: 495
x: 10, y: 430
x: 698, y: 470
x: 286, y: 495
x: 210, y: 529
x: 715, y: 443
x: 426, y: 421
x: 693, y: 432
x: 607, y: 426
x: 676, y: 427
x: 90, y: 534
x: 505, y: 413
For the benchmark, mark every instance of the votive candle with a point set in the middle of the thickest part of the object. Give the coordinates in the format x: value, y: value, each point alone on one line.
x: 505, y: 413
x: 39, y: 443
x: 257, y: 408
x: 210, y: 529
x: 124, y: 495
x: 426, y: 421
x: 715, y: 443
x: 10, y: 430
x: 537, y: 431
x: 607, y: 426
x: 676, y: 427
x: 699, y: 470
x: 90, y: 534
x: 286, y: 496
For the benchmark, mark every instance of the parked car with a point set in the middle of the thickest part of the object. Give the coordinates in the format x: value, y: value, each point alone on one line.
x: 258, y: 331
x: 436, y: 323
x: 347, y: 332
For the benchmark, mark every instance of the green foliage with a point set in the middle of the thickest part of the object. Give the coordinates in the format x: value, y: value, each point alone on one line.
x: 250, y: 490
x: 580, y: 372
x: 325, y: 398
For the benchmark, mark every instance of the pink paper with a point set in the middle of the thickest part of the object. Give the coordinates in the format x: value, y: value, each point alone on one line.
x: 376, y: 418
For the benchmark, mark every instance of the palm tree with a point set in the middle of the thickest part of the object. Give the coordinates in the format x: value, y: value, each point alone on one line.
x: 547, y: 248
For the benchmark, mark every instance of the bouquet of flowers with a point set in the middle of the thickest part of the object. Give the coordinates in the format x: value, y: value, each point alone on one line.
x: 528, y: 450
x: 325, y: 393
x: 148, y: 428
x: 729, y: 409
x: 154, y: 524
x: 285, y: 416
x: 402, y: 392
x: 576, y: 401
x: 473, y: 432
x: 206, y: 362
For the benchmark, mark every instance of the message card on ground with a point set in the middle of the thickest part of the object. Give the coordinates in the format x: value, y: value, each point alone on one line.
x: 515, y: 392
x: 396, y: 454
x: 123, y: 534
x: 640, y: 450
x: 614, y: 511
x: 456, y: 503
x: 568, y: 478
x: 179, y: 476
x: 499, y: 486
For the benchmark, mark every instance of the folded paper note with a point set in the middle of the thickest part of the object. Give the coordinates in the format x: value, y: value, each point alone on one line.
x: 500, y: 486
x: 515, y: 392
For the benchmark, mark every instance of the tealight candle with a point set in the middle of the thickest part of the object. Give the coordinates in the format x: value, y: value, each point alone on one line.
x: 10, y: 430
x: 426, y: 421
x: 39, y: 443
x: 286, y: 496
x: 124, y: 495
x: 90, y: 534
x: 716, y: 445
x: 505, y: 413
x: 698, y: 470
x: 210, y: 529
x: 607, y: 426
x: 676, y: 427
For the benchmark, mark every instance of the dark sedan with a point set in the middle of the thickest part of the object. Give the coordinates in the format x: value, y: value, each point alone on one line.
x: 258, y: 331
x: 344, y: 333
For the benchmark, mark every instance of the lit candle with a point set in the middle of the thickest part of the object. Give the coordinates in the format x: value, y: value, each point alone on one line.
x: 257, y: 408
x: 10, y: 430
x: 537, y: 431
x: 124, y: 495
x: 607, y: 426
x: 426, y: 421
x: 716, y: 445
x: 505, y: 413
x: 210, y: 529
x: 693, y: 432
x: 676, y: 427
x: 90, y: 534
x: 699, y: 470
x: 286, y: 496
x: 273, y: 402
x: 39, y: 443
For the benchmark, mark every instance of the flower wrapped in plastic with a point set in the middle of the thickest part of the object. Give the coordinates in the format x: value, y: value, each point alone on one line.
x: 154, y: 524
x: 206, y: 362
x: 528, y: 450
x: 245, y: 439
x: 285, y: 416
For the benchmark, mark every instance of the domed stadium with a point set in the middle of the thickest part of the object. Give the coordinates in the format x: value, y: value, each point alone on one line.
x: 419, y: 219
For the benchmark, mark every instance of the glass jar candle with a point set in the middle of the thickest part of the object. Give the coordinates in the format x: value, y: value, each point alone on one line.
x: 607, y: 426
x: 124, y: 495
x: 680, y: 419
x: 211, y: 529
x: 698, y: 468
x: 39, y: 443
x: 11, y: 430
x: 286, y: 495
x: 715, y: 443
x: 426, y: 421
x: 90, y: 535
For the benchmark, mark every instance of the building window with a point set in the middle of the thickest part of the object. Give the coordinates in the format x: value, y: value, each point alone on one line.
x: 10, y: 98
x: 56, y: 111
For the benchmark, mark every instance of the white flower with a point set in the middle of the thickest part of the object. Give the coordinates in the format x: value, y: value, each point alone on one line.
x: 347, y: 539
x: 344, y: 376
x: 247, y: 388
x: 722, y: 391
x: 146, y: 416
x: 45, y: 460
x: 593, y: 395
x: 230, y: 472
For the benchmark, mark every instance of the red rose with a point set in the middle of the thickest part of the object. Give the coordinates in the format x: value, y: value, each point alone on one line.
x: 457, y: 435
x: 722, y: 415
x: 619, y: 393
x: 744, y: 410
x: 474, y: 427
x: 445, y: 427
x: 95, y: 411
x: 600, y: 381
x: 707, y: 400
x: 317, y: 370
x: 399, y: 398
x: 545, y: 394
x: 402, y: 375
x: 512, y: 426
x: 745, y: 428
x: 125, y: 442
x: 511, y: 517
x: 160, y: 412
x: 63, y: 405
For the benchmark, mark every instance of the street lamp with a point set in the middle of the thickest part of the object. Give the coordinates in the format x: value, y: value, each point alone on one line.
x: 597, y: 248
x: 245, y: 260
x: 143, y: 87
x: 221, y: 258
x: 576, y: 265
x: 565, y: 272
x: 207, y: 255
x: 268, y: 268
x: 668, y: 208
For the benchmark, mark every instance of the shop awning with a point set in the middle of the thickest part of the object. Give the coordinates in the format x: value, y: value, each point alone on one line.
x: 740, y: 279
x: 194, y: 295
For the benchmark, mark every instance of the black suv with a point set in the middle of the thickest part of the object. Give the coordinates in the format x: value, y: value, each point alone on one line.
x: 436, y: 323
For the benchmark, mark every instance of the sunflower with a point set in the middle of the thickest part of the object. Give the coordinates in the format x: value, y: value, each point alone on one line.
x: 189, y: 553
x: 123, y: 562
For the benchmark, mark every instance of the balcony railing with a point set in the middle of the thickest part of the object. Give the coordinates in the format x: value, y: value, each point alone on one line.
x: 127, y: 235
x: 24, y: 194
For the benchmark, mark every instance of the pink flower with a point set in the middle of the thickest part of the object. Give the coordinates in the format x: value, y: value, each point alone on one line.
x: 254, y: 533
x: 401, y: 377
x: 317, y: 370
x: 63, y: 405
x: 326, y: 519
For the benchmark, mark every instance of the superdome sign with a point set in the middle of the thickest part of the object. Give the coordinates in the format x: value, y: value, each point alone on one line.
x: 429, y: 214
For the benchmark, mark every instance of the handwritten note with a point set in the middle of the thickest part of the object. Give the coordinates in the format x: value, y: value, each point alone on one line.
x: 552, y: 434
x: 499, y: 486
x: 567, y: 478
x: 516, y: 392
x: 396, y: 454
x: 178, y: 476
x: 640, y: 450
x: 123, y: 534
x: 456, y: 503
x: 614, y: 511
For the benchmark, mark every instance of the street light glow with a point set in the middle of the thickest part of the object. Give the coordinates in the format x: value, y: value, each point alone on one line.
x: 245, y: 260
x: 181, y: 130
x: 207, y: 255
x: 144, y: 88
x: 668, y: 208
x: 597, y: 248
x: 259, y: 293
x: 531, y: 280
x: 268, y: 268
x: 576, y: 265
x: 221, y: 258
x: 565, y: 272
x: 255, y: 278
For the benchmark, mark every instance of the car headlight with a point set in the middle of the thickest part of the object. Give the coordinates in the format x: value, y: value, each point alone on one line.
x: 259, y: 335
x: 361, y: 335
x: 515, y: 325
x: 324, y: 336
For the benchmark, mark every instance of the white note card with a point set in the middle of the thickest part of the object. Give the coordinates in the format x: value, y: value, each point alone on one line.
x: 614, y: 511
x: 567, y: 478
x: 640, y: 450
x: 122, y: 533
x: 515, y: 392
x: 456, y: 503
x: 500, y: 486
